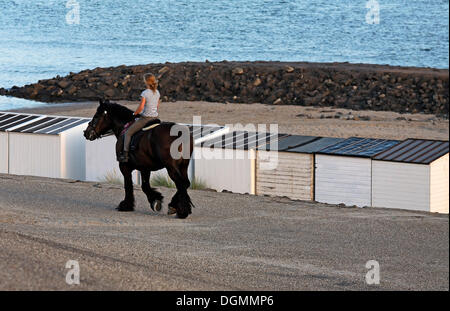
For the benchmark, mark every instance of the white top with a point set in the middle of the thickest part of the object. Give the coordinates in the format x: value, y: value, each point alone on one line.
x: 151, y: 103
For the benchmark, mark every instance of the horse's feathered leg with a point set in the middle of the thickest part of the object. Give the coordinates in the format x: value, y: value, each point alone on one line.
x: 127, y: 205
x: 154, y: 197
x: 181, y: 200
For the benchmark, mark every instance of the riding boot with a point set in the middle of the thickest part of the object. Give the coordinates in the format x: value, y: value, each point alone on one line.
x: 119, y: 147
x: 123, y: 157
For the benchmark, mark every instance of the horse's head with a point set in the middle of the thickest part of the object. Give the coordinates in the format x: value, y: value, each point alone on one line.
x: 100, y: 123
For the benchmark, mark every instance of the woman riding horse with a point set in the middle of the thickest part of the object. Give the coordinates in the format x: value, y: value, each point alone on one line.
x: 147, y: 110
x: 155, y: 149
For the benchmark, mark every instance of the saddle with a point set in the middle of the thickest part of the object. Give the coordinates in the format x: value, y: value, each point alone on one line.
x: 137, y: 137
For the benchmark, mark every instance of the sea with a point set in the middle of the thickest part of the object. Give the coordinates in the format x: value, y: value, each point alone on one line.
x: 40, y: 39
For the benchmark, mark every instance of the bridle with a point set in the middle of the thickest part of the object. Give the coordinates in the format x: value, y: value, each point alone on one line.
x: 93, y: 124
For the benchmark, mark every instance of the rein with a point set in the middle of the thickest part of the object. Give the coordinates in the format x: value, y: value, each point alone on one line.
x: 109, y: 133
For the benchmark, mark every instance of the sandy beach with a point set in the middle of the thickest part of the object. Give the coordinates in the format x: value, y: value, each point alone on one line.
x: 315, y: 121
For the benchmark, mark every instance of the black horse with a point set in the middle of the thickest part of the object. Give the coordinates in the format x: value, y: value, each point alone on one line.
x: 152, y: 152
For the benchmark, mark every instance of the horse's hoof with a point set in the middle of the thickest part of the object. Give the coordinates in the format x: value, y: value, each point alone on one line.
x: 125, y: 207
x: 158, y: 205
x: 182, y: 216
x: 171, y: 210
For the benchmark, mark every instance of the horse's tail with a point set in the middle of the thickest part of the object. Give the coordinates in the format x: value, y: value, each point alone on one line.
x: 191, y: 146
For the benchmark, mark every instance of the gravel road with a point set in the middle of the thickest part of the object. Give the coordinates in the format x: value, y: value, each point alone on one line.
x: 230, y: 242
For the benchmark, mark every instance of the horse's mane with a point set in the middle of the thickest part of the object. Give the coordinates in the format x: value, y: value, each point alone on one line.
x: 122, y: 113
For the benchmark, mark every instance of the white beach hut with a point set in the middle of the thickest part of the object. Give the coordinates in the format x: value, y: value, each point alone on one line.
x: 40, y: 145
x: 3, y: 147
x: 343, y: 171
x: 293, y: 176
x: 227, y: 162
x: 412, y: 175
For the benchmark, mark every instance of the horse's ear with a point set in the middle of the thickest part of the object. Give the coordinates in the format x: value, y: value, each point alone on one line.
x: 103, y: 102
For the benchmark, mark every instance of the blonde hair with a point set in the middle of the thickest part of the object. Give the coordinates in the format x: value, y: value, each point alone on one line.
x: 151, y: 82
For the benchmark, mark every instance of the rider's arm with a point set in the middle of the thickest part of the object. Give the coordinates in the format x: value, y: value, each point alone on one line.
x: 159, y: 102
x: 141, y: 107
